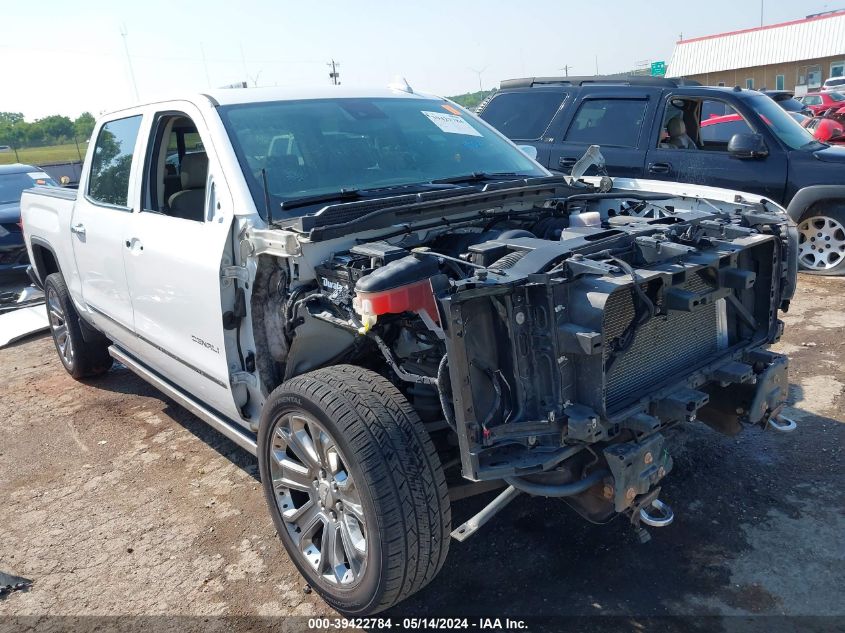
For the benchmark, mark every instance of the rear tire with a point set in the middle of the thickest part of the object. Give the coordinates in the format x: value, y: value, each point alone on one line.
x: 80, y: 358
x: 821, y: 240
x: 355, y: 487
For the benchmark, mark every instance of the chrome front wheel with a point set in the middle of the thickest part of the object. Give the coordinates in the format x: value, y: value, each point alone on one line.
x: 318, y: 499
x: 354, y: 486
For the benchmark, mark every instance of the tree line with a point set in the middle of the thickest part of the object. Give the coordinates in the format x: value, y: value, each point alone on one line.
x: 51, y: 130
x: 471, y: 100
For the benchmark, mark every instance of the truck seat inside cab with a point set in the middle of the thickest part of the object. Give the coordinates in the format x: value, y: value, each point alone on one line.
x: 190, y: 202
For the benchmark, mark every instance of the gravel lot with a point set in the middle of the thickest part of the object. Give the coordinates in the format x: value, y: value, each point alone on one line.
x: 116, y: 501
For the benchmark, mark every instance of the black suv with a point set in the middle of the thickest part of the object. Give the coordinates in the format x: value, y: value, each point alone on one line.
x: 666, y: 129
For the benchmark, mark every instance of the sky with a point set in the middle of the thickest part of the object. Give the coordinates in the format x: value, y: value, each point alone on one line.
x: 60, y: 57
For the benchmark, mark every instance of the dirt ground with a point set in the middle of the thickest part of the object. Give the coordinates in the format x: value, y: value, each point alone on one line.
x: 115, y: 501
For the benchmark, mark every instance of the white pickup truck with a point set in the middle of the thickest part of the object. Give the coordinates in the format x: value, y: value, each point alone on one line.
x: 393, y: 307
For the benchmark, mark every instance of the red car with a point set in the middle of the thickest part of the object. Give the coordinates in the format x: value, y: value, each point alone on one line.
x: 722, y: 128
x: 820, y: 102
x: 826, y: 130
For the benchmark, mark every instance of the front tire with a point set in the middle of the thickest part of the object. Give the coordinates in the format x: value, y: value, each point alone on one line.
x: 821, y: 240
x: 354, y: 486
x: 79, y: 357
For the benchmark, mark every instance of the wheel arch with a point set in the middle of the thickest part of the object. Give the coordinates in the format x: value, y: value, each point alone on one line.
x: 44, y: 260
x: 809, y: 197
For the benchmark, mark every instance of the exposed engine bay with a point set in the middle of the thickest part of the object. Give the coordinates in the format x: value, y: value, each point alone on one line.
x: 550, y: 333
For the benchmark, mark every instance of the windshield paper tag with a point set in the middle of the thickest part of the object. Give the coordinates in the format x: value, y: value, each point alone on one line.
x: 451, y: 123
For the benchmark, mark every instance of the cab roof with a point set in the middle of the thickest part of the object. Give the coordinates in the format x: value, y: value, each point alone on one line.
x: 236, y: 96
x: 233, y: 96
x: 18, y: 168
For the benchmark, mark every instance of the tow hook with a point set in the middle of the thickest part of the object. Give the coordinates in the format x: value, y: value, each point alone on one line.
x: 657, y: 514
x: 782, y: 424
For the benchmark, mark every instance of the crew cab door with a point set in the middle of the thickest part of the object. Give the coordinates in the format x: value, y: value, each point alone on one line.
x: 710, y: 123
x: 616, y: 119
x: 100, y: 224
x: 173, y: 255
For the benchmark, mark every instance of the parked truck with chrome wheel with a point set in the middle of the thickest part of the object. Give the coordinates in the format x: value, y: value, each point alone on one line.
x: 392, y: 306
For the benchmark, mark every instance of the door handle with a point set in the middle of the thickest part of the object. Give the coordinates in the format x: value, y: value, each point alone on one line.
x: 78, y: 229
x: 659, y: 168
x: 134, y: 245
x: 566, y: 161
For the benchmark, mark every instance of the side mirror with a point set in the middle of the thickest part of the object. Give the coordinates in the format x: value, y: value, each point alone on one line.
x: 529, y: 150
x: 748, y: 146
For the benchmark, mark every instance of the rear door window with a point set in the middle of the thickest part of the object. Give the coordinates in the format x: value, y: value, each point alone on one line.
x: 108, y: 182
x: 612, y: 122
x: 523, y: 116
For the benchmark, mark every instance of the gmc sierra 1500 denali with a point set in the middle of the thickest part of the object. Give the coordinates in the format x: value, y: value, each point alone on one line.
x: 373, y: 290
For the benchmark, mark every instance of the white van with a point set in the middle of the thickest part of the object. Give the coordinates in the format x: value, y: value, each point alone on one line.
x: 834, y: 83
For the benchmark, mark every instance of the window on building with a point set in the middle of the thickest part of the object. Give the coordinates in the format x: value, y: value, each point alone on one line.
x: 749, y: 84
x: 615, y: 122
x: 780, y: 82
x: 814, y: 77
x: 722, y: 83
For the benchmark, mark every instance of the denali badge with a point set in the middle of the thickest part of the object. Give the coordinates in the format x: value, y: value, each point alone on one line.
x: 213, y: 348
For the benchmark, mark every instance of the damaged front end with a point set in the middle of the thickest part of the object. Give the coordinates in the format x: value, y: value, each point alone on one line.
x: 569, y: 360
x: 555, y: 331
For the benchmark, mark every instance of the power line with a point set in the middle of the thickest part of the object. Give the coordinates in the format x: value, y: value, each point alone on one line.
x: 205, y: 65
x: 129, y: 62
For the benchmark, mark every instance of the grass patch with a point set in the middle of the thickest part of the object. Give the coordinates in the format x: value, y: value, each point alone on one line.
x: 44, y: 155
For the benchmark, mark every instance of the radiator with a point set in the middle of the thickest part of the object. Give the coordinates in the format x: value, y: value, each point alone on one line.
x: 666, y: 347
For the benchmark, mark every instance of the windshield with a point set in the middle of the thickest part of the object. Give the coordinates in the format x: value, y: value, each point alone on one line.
x: 13, y: 185
x: 787, y: 129
x: 321, y: 146
x: 836, y: 96
x: 791, y: 105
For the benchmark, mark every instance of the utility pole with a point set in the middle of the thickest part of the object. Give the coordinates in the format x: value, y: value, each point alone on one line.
x: 566, y: 69
x: 334, y: 75
x: 129, y: 61
x: 762, y: 2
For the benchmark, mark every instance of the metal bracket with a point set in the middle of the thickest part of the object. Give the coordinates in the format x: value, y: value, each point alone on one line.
x: 469, y: 528
x: 234, y: 272
x: 243, y: 378
x: 579, y: 265
x: 278, y: 242
x: 654, y: 250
